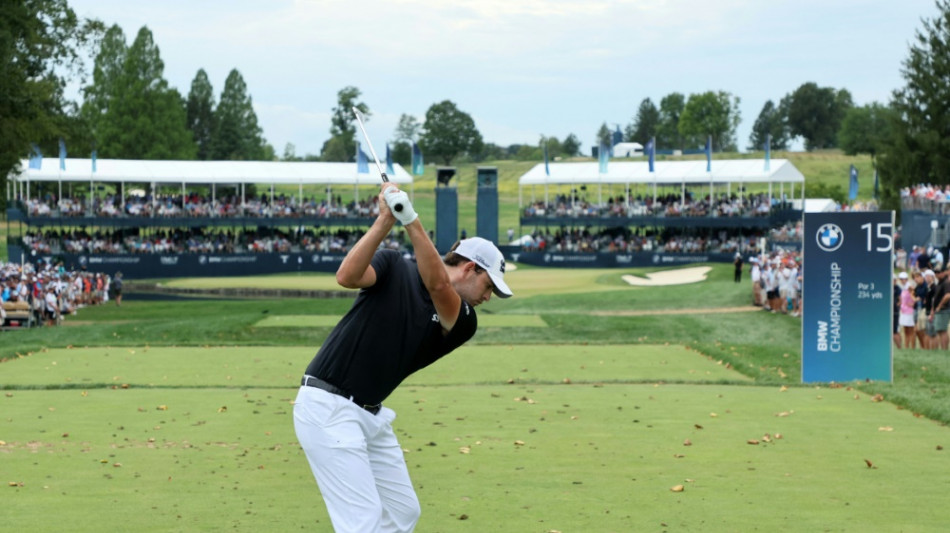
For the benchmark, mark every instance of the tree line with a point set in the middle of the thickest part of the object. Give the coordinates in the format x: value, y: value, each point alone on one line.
x: 128, y: 109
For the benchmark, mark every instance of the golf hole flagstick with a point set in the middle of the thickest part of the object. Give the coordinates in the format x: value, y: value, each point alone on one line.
x: 359, y: 120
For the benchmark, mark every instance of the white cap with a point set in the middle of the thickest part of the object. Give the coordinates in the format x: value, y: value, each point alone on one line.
x: 484, y: 254
x: 902, y: 275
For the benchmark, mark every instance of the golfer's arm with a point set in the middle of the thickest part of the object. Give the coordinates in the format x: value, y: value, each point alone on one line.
x: 447, y: 302
x: 355, y: 271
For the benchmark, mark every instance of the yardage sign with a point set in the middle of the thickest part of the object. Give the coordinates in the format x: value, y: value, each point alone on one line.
x: 847, y: 296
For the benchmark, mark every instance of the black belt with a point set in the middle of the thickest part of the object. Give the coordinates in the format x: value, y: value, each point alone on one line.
x: 317, y: 383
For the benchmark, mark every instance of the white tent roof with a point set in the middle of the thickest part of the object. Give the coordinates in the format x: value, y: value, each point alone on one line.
x: 207, y: 172
x: 666, y: 172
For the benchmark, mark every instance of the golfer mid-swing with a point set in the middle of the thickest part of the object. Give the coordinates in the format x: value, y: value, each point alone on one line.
x: 406, y: 316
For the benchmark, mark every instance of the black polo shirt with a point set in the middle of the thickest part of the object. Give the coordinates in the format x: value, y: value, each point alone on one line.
x: 391, y: 331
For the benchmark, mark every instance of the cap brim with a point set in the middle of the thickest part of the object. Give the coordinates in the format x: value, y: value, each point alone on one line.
x: 501, y: 288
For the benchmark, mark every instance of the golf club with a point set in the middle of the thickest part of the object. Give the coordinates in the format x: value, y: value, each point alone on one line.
x: 359, y: 120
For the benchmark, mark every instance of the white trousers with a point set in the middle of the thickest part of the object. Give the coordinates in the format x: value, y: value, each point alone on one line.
x: 357, y: 462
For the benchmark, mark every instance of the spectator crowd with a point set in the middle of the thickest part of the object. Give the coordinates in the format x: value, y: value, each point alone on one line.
x: 668, y: 205
x: 197, y: 205
x: 198, y: 240
x: 51, y: 291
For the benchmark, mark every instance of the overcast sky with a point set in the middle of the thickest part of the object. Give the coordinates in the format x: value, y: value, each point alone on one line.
x: 520, y: 68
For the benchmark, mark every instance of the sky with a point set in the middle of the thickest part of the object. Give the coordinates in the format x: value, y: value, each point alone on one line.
x: 520, y: 68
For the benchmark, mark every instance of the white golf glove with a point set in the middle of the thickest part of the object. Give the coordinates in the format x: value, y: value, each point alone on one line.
x: 398, y: 202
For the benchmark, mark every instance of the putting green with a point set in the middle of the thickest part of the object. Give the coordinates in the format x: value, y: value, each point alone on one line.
x: 328, y: 321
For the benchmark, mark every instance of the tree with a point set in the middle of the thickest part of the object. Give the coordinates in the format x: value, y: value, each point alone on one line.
x: 604, y: 135
x: 448, y: 133
x: 667, y: 130
x: 341, y: 146
x: 406, y: 133
x: 865, y: 129
x: 200, y: 113
x: 815, y: 113
x: 42, y: 43
x: 919, y: 148
x: 771, y: 121
x: 237, y: 135
x: 571, y: 146
x: 145, y: 118
x: 714, y: 113
x: 106, y: 73
x: 645, y: 123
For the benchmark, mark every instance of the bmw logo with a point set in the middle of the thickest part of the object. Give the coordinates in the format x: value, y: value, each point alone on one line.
x: 830, y: 237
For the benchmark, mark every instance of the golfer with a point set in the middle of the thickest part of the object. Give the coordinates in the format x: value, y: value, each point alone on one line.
x: 406, y: 316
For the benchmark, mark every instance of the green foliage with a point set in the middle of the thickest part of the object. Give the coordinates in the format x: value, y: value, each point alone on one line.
x: 448, y: 133
x: 402, y: 153
x: 144, y: 119
x: 604, y: 135
x: 341, y: 146
x: 571, y: 146
x: 107, y: 71
x: 668, y: 130
x: 407, y: 129
x: 815, y: 113
x: 645, y: 123
x: 865, y: 129
x: 771, y: 121
x: 237, y: 135
x: 920, y: 148
x: 714, y: 113
x: 42, y: 43
x: 201, y: 113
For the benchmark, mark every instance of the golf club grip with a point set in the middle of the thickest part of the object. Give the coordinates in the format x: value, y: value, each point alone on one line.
x: 397, y: 207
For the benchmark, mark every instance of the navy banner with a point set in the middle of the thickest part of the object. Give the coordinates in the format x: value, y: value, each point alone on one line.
x: 847, y: 296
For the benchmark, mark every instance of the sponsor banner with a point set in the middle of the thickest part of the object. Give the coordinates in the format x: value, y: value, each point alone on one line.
x: 847, y: 296
x: 145, y: 266
x: 608, y: 259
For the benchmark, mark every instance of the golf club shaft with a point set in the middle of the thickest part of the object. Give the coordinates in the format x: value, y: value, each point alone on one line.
x: 359, y: 120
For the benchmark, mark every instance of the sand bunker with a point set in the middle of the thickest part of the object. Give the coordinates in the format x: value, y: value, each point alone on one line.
x: 680, y: 276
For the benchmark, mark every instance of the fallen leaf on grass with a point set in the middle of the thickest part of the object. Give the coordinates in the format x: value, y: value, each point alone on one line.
x: 687, y: 442
x: 519, y: 443
x: 677, y: 488
x: 885, y: 428
x: 752, y: 441
x: 869, y: 463
x: 877, y: 398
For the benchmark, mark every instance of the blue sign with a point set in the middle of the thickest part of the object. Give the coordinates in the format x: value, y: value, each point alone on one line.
x: 847, y: 296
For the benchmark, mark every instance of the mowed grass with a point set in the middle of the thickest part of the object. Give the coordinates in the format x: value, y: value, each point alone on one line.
x: 176, y: 416
x: 517, y: 448
x: 484, y: 321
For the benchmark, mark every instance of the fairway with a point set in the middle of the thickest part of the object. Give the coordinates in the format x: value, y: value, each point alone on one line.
x: 328, y: 321
x: 530, y: 281
x: 568, y: 411
x: 527, y: 438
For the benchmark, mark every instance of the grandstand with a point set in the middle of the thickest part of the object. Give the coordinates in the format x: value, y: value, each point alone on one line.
x: 649, y: 215
x: 185, y: 199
